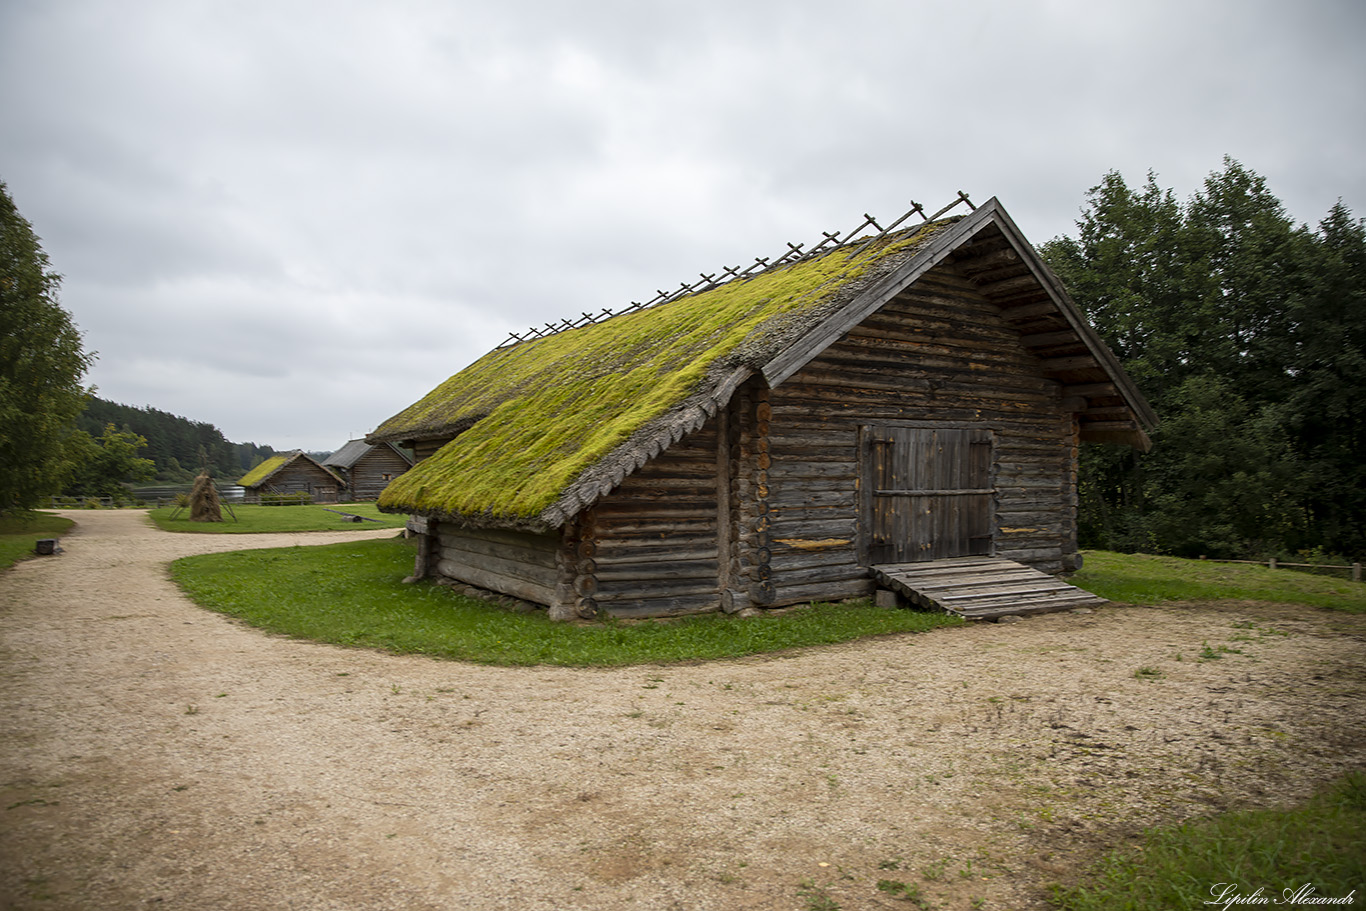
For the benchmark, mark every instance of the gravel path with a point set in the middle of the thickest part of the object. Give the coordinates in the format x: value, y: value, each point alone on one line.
x: 153, y: 754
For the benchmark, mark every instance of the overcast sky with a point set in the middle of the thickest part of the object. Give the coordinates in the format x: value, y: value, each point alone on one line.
x: 293, y: 219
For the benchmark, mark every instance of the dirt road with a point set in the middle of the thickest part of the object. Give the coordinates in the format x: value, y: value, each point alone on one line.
x: 155, y: 755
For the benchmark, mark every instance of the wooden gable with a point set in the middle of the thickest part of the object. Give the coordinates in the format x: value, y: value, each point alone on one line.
x: 989, y: 250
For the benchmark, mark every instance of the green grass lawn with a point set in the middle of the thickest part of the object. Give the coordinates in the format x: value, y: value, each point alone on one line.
x: 352, y: 594
x: 1321, y: 843
x: 17, y: 536
x: 1145, y: 579
x: 253, y: 519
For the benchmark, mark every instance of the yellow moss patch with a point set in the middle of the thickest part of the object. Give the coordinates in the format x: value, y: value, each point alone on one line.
x: 262, y: 471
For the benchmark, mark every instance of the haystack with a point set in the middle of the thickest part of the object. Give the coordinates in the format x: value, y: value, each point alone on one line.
x: 204, y: 500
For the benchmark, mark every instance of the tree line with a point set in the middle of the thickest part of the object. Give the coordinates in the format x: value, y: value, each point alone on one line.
x: 1247, y: 333
x: 177, y: 446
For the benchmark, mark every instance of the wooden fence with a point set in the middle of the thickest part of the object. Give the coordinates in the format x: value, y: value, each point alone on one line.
x: 82, y: 502
x: 1273, y: 563
x: 153, y: 497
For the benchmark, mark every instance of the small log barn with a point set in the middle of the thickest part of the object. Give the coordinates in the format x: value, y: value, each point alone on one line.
x: 776, y: 438
x: 291, y: 473
x: 365, y: 469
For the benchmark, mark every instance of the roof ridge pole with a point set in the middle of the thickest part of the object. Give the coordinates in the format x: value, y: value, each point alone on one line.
x: 791, y: 255
x: 684, y: 289
x: 761, y: 263
x: 794, y: 254
x: 962, y: 198
x: 916, y: 208
x: 867, y: 220
x: 881, y: 232
x: 828, y: 237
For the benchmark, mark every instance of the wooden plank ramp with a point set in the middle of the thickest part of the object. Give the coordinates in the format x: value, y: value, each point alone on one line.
x: 982, y: 588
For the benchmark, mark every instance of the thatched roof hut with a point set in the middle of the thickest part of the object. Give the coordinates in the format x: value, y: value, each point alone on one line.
x: 291, y: 473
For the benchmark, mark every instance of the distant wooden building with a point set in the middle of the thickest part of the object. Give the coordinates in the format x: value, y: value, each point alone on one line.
x: 291, y: 473
x: 366, y: 469
x: 803, y: 433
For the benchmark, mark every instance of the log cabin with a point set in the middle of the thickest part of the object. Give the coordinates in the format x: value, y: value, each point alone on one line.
x: 367, y: 469
x: 821, y: 429
x: 291, y: 473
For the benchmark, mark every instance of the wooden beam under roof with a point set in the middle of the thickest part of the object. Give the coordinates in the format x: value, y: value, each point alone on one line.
x: 1047, y: 339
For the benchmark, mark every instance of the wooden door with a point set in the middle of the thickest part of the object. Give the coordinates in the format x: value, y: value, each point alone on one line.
x: 928, y: 493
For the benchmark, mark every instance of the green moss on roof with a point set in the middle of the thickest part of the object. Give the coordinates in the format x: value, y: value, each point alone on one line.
x: 263, y: 471
x: 541, y: 412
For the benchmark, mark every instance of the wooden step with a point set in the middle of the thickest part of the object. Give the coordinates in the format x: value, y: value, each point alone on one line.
x: 982, y: 587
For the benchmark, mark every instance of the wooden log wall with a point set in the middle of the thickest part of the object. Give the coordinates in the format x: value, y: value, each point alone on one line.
x: 752, y: 411
x: 366, y: 477
x: 425, y: 449
x: 653, y: 546
x: 1071, y: 499
x: 299, y: 478
x: 514, y: 563
x: 939, y: 352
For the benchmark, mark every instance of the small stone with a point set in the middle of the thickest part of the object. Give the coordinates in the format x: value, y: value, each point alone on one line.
x: 1009, y: 618
x: 1082, y: 610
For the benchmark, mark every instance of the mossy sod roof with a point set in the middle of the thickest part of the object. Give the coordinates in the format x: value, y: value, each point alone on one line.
x: 532, y: 417
x: 263, y: 471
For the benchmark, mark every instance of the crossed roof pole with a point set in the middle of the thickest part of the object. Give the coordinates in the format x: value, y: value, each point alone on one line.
x: 795, y: 253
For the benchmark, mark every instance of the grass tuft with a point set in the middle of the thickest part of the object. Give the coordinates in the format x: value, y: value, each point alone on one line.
x: 350, y: 594
x: 1320, y: 844
x: 19, y: 534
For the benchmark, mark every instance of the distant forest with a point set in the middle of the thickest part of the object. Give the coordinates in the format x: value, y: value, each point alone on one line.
x: 175, y: 444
